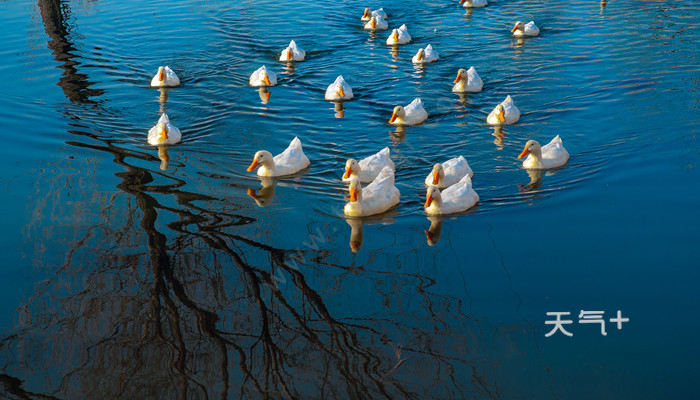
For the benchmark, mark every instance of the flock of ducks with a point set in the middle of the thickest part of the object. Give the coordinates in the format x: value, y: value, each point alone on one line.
x: 449, y: 184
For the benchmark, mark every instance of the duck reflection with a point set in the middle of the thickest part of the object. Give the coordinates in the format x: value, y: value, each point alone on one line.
x: 518, y: 43
x: 433, y: 233
x: 399, y: 133
x: 164, y: 157
x: 163, y: 98
x: 264, y: 94
x: 266, y: 194
x: 339, y: 109
x: 498, y: 134
x: 356, y: 233
x: 535, y: 179
x: 394, y: 51
x: 603, y: 3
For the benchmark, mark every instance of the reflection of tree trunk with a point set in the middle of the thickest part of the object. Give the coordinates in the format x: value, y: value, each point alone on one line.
x: 75, y: 85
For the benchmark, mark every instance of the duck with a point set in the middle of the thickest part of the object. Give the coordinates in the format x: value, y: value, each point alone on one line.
x: 377, y: 197
x: 292, y: 53
x: 367, y: 169
x: 164, y: 132
x: 264, y: 197
x: 529, y: 29
x: 424, y: 56
x: 505, y: 113
x: 376, y: 23
x: 551, y: 155
x: 473, y: 3
x: 339, y: 90
x: 456, y: 198
x: 165, y: 77
x: 412, y: 114
x: 449, y: 172
x: 399, y: 36
x: 369, y: 14
x: 263, y: 77
x: 290, y: 161
x: 467, y: 81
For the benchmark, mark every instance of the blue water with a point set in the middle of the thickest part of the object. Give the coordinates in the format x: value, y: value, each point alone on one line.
x: 124, y: 276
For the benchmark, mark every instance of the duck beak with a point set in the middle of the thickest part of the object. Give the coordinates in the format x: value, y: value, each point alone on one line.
x: 267, y: 80
x: 458, y: 78
x: 524, y: 153
x: 428, y: 201
x: 427, y: 233
x: 161, y: 77
x: 347, y: 173
x: 341, y: 92
x: 502, y: 116
x: 374, y: 23
x: 254, y: 164
x: 396, y: 36
x: 289, y: 55
x: 252, y: 194
x: 366, y: 14
x: 515, y: 28
x: 164, y: 132
x: 393, y: 117
x: 436, y: 177
x: 420, y: 55
x: 353, y: 194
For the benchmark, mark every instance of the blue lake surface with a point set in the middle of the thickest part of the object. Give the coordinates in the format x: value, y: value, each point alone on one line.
x: 135, y: 272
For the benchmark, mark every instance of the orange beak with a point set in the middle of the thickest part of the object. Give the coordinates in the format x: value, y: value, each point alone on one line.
x: 462, y: 1
x: 267, y: 80
x: 353, y: 194
x: 254, y: 164
x: 355, y: 246
x: 164, y: 132
x: 502, y: 116
x: 515, y: 28
x: 396, y: 36
x: 524, y: 153
x: 347, y: 173
x: 366, y: 14
x: 420, y: 55
x: 374, y: 23
x: 393, y: 117
x: 160, y: 76
x: 252, y: 194
x: 458, y: 78
x: 436, y: 177
x: 341, y: 92
x: 428, y: 201
x: 289, y: 55
x: 427, y: 235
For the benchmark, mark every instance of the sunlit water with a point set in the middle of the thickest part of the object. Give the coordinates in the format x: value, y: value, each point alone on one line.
x: 131, y: 272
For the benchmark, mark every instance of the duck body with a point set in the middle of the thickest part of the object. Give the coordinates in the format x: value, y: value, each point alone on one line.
x: 165, y: 77
x: 473, y: 3
x: 412, y: 114
x: 456, y: 198
x: 448, y: 173
x: 367, y: 169
x: 339, y: 90
x: 292, y: 53
x: 290, y: 161
x: 263, y: 77
x: 376, y: 23
x: 164, y: 132
x: 399, y: 36
x: 551, y: 155
x: 505, y: 113
x: 529, y: 29
x: 467, y: 81
x: 377, y: 197
x: 425, y: 56
x: 376, y: 13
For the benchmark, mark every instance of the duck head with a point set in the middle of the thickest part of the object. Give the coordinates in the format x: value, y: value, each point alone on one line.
x: 162, y: 131
x: 263, y: 158
x: 161, y: 74
x: 518, y: 26
x: 264, y: 78
x: 352, y: 167
x: 398, y: 114
x: 532, y: 147
x: 395, y: 35
x: 461, y: 75
x: 420, y: 55
x: 438, y: 173
x: 433, y: 195
x: 367, y: 15
x: 355, y: 190
x: 501, y: 113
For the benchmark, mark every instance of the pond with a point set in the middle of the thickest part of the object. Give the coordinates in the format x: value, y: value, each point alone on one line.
x: 135, y: 271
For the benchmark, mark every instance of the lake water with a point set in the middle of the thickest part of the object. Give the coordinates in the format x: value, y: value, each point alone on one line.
x: 133, y: 272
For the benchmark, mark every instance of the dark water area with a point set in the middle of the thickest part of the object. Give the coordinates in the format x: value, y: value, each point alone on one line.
x: 130, y: 271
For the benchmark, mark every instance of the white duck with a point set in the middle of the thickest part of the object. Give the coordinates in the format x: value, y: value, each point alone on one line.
x: 293, y: 53
x: 377, y: 197
x: 467, y: 81
x: 529, y: 29
x: 456, y: 198
x: 449, y: 172
x: 339, y: 90
x: 164, y: 132
x: 551, y: 155
x: 412, y: 114
x: 399, y: 36
x: 473, y: 3
x: 376, y: 23
x: 424, y: 56
x: 290, y: 161
x: 366, y: 170
x: 505, y: 113
x: 369, y: 14
x: 263, y: 77
x: 165, y: 77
